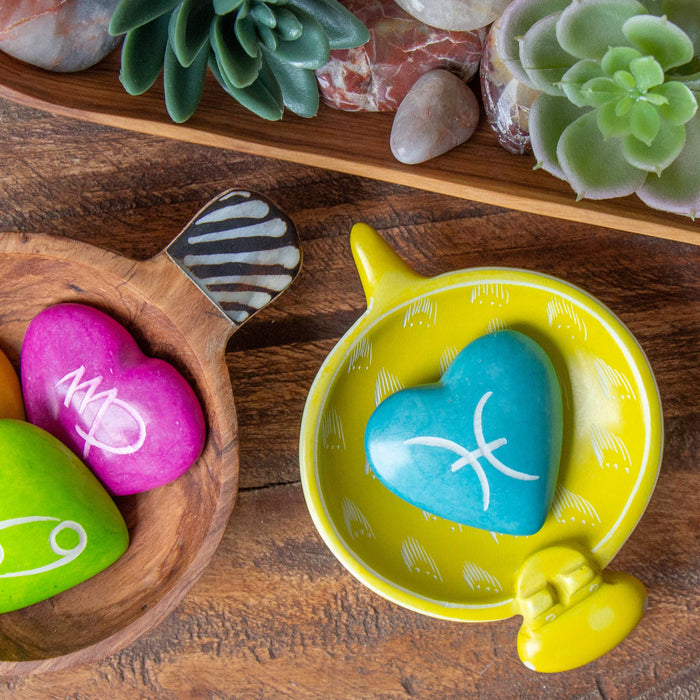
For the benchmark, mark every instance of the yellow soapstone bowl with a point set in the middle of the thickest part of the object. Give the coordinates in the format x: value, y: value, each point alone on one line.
x: 573, y: 609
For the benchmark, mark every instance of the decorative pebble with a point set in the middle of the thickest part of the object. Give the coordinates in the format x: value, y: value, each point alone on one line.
x: 480, y: 447
x: 375, y: 77
x: 55, y: 34
x: 506, y: 100
x: 455, y: 15
x: 132, y: 419
x: 58, y: 526
x: 439, y: 112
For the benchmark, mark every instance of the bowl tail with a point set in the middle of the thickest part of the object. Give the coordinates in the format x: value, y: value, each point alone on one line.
x: 383, y: 274
x: 241, y: 250
x: 572, y: 611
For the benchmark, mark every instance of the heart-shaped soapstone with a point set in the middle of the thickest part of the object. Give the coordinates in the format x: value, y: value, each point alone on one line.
x: 480, y: 447
x: 11, y: 403
x: 134, y: 420
x: 58, y: 525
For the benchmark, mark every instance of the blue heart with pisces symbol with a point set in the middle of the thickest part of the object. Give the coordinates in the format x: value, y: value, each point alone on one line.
x: 480, y: 447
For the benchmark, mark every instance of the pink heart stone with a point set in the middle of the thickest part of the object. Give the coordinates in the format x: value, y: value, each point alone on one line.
x: 134, y: 420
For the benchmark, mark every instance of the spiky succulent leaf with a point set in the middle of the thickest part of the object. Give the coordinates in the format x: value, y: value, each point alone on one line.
x: 588, y: 28
x: 576, y: 77
x: 130, y: 14
x: 263, y: 97
x: 544, y: 60
x: 236, y: 64
x: 298, y: 85
x: 595, y: 168
x: 516, y: 19
x: 342, y: 28
x: 618, y: 58
x: 657, y: 37
x: 183, y: 85
x: 680, y: 106
x: 677, y: 189
x: 658, y: 153
x: 143, y: 52
x: 188, y: 30
x: 549, y: 116
x: 311, y: 50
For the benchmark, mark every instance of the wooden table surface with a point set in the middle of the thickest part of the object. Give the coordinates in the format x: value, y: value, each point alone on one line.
x: 275, y: 615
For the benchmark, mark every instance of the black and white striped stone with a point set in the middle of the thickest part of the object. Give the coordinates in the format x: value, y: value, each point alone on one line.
x: 241, y: 250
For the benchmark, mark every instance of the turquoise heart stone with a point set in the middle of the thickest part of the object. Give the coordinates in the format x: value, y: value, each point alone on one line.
x: 58, y: 525
x: 481, y: 447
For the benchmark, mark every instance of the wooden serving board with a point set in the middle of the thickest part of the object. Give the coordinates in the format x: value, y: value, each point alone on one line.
x: 179, y: 316
x: 354, y: 143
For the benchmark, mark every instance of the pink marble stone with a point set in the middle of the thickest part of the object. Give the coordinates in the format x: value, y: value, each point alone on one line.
x: 59, y: 35
x: 438, y: 113
x: 376, y: 77
x: 506, y: 100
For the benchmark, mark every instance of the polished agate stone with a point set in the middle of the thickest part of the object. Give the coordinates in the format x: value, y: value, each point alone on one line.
x: 456, y: 15
x: 439, y: 113
x: 377, y: 76
x: 55, y: 34
x: 506, y: 100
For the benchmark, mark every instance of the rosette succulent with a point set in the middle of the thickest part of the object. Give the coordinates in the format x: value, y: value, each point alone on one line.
x: 262, y: 52
x: 619, y: 84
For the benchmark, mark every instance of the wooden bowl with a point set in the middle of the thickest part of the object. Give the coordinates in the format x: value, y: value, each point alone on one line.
x: 175, y: 529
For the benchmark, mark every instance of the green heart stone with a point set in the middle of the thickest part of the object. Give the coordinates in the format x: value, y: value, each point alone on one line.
x: 58, y: 525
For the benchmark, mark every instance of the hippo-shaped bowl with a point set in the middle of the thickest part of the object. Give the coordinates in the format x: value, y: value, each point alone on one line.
x: 174, y: 529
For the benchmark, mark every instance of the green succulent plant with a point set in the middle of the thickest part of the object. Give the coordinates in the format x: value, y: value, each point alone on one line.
x: 262, y: 52
x: 619, y: 84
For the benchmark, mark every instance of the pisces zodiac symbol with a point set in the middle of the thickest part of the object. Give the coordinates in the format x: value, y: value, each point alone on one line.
x: 471, y: 457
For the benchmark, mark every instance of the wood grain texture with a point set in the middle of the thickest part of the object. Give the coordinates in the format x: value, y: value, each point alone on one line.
x: 480, y: 170
x: 274, y: 615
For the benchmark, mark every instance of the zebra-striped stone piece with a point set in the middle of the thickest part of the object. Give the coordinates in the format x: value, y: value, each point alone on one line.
x: 241, y: 250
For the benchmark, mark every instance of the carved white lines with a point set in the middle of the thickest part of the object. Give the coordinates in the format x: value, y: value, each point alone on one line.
x: 418, y: 560
x: 496, y: 324
x: 565, y: 500
x: 494, y: 535
x: 614, y: 383
x: 561, y: 314
x: 478, y: 579
x: 492, y: 294
x: 67, y: 555
x: 610, y: 450
x: 355, y: 521
x: 447, y: 357
x: 361, y: 356
x: 332, y: 430
x: 422, y: 312
x: 386, y: 385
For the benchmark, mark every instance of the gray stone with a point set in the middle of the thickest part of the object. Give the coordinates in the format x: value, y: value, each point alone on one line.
x: 439, y: 112
x: 55, y: 34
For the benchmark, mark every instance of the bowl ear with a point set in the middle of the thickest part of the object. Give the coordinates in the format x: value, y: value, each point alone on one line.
x: 573, y: 612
